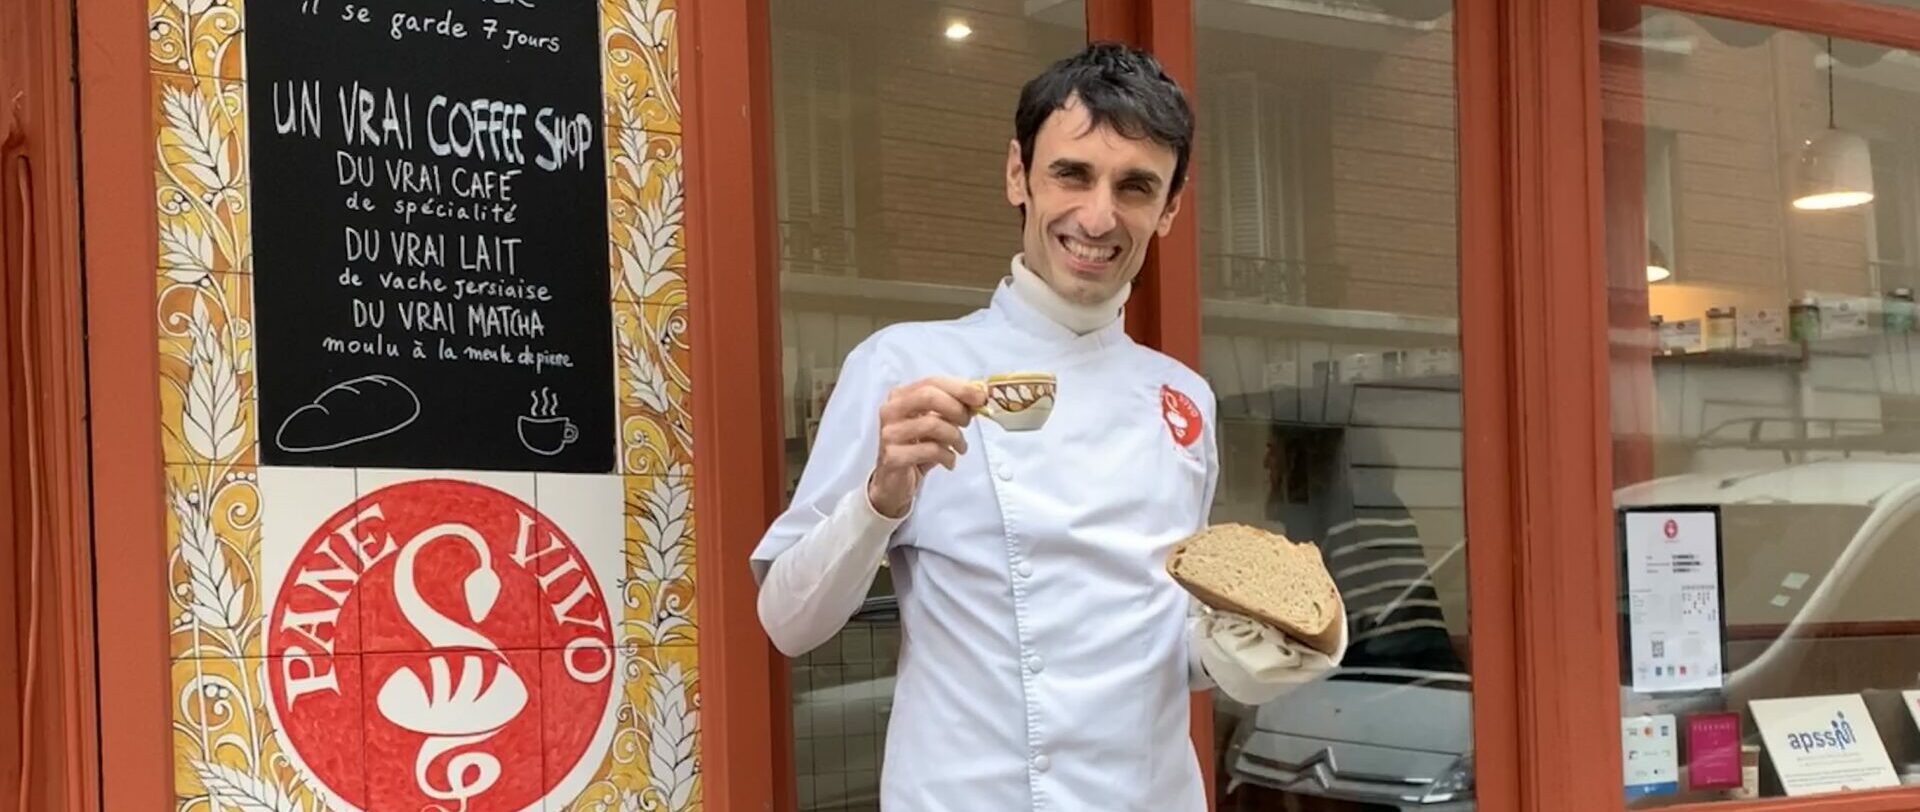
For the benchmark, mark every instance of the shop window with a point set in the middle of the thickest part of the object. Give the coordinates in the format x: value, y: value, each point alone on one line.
x: 1893, y: 237
x: 891, y: 123
x: 1767, y: 485
x: 813, y: 147
x: 1251, y: 175
x: 1330, y: 280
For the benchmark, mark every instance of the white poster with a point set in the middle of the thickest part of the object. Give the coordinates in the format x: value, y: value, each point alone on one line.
x: 1673, y: 593
x: 1650, y: 755
x: 1823, y: 744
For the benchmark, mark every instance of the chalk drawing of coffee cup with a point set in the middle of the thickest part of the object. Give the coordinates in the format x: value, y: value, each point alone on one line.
x: 542, y: 431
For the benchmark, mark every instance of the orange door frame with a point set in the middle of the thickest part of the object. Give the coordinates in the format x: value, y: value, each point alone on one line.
x: 1491, y: 471
x: 122, y: 374
x: 1533, y: 335
x: 48, y: 660
x: 731, y: 288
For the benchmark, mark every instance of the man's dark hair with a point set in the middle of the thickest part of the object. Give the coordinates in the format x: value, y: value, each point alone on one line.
x: 1121, y: 87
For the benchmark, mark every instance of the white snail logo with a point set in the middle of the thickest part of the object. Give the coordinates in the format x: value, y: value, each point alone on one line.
x: 467, y: 635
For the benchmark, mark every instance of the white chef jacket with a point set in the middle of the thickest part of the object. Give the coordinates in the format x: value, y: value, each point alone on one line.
x: 1044, y: 659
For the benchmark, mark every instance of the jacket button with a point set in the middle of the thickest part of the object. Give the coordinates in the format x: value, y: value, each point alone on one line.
x: 1034, y: 664
x: 1041, y: 763
x: 1025, y: 568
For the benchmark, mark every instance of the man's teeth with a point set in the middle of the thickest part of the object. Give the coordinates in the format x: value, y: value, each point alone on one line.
x: 1088, y: 252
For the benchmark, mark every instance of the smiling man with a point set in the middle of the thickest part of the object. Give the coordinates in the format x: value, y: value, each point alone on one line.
x: 1046, y: 657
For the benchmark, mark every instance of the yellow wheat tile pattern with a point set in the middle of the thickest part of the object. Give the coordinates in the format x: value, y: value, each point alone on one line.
x: 206, y: 367
x: 226, y: 753
x: 167, y: 32
x: 644, y: 207
x: 200, y: 173
x: 655, y: 759
x: 658, y: 587
x: 641, y: 52
x: 213, y: 532
x: 216, y: 42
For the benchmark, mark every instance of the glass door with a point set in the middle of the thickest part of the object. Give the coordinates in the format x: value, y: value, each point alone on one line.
x: 1329, y: 276
x: 891, y: 124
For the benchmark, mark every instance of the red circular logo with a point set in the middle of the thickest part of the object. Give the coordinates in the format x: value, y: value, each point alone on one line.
x: 1672, y: 529
x: 483, y: 668
x: 1183, y: 418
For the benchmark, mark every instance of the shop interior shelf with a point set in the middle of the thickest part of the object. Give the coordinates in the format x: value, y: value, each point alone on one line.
x: 1853, y: 346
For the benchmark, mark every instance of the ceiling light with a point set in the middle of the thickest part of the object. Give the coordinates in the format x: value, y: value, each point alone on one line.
x: 958, y: 30
x: 1836, y: 168
x: 1657, y: 270
x: 1835, y: 172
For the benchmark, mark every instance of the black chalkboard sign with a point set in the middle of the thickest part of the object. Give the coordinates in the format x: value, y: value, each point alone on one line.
x: 430, y: 234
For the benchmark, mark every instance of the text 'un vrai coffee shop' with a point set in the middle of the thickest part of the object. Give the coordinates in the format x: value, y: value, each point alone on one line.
x: 798, y: 405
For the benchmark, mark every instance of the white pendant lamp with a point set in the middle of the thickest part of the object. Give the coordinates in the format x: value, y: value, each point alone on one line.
x: 1657, y: 267
x: 1835, y: 169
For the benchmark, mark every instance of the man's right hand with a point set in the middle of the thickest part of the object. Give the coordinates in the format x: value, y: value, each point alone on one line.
x: 919, y: 428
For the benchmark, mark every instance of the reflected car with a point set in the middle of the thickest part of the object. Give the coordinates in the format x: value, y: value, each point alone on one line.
x: 1402, y: 740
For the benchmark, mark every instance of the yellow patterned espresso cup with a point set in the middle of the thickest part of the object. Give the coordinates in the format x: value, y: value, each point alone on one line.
x: 1019, y: 401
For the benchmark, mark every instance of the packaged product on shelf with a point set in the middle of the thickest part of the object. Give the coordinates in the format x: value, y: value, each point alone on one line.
x: 1803, y: 320
x: 1896, y: 312
x: 1843, y: 317
x: 1759, y: 327
x: 1720, y: 328
x: 1680, y: 336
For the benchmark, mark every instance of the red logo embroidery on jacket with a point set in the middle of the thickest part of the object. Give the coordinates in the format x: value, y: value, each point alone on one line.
x: 1183, y: 418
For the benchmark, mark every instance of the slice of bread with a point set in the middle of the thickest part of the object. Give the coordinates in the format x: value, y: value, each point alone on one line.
x: 1249, y: 571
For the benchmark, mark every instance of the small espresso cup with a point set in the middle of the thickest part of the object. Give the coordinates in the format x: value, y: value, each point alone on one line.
x: 547, y: 436
x: 1019, y: 401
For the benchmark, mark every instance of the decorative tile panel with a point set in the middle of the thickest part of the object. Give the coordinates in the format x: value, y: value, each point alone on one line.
x: 247, y: 710
x: 643, y: 64
x: 200, y: 172
x: 654, y: 761
x: 217, y: 39
x: 227, y: 753
x: 474, y: 748
x: 645, y: 206
x: 658, y: 589
x: 167, y: 32
x: 206, y: 367
x: 653, y: 378
x: 213, y: 533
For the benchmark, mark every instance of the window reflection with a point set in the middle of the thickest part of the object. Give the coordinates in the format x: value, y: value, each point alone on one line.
x: 1329, y: 279
x: 1771, y: 380
x: 891, y: 123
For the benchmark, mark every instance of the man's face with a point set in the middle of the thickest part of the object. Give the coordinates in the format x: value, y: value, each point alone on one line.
x: 1094, y: 199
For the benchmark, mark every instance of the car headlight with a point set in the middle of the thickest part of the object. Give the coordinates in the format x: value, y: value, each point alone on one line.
x: 1454, y: 784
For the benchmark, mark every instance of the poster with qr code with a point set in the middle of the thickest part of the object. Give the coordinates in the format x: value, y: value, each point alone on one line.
x: 1673, y: 600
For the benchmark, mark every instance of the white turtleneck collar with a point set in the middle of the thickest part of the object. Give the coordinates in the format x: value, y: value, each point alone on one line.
x: 1080, y: 318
